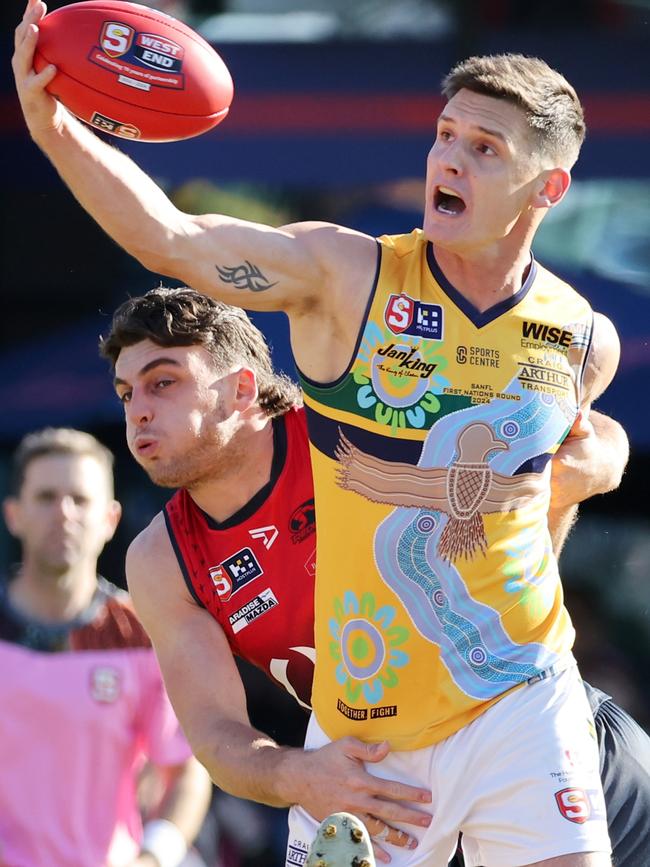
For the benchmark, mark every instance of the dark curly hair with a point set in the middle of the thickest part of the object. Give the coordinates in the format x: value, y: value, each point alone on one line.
x: 183, y: 317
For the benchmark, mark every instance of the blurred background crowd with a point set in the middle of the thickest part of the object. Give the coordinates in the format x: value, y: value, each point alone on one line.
x: 334, y: 111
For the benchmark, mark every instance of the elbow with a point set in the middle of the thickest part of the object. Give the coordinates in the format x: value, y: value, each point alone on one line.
x: 614, y: 479
x: 157, y: 260
x: 204, y: 752
x: 160, y: 250
x: 208, y: 756
x: 619, y: 456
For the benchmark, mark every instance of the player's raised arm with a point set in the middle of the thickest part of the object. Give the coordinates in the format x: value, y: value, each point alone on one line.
x: 212, y: 710
x: 251, y: 265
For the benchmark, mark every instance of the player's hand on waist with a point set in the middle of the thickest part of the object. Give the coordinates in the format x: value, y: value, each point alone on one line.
x: 334, y: 778
x: 42, y: 112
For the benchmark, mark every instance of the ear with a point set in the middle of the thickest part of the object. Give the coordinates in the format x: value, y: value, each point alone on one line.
x: 245, y: 389
x: 113, y: 515
x: 555, y: 183
x: 11, y: 512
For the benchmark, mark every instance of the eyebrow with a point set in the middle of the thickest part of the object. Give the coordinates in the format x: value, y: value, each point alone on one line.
x: 484, y: 129
x: 151, y: 365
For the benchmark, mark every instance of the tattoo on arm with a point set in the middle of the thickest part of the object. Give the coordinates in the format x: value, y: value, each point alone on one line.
x: 245, y: 276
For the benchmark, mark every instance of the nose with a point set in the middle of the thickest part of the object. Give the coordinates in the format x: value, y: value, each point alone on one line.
x: 138, y: 409
x: 68, y: 508
x: 449, y: 157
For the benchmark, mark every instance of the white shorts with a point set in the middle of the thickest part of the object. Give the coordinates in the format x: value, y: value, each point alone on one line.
x: 521, y: 782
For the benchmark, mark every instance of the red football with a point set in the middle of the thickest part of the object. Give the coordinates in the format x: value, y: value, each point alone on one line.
x: 133, y: 71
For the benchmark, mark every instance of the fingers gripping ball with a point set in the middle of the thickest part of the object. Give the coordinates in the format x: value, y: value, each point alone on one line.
x: 133, y: 71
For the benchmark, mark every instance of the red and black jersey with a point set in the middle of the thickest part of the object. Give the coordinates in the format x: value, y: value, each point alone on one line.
x: 255, y: 572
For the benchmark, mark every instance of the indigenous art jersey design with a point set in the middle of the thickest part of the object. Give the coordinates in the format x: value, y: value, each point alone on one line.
x: 437, y: 590
x: 244, y: 571
x: 82, y: 705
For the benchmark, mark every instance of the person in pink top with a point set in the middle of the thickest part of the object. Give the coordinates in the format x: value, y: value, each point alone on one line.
x: 82, y: 702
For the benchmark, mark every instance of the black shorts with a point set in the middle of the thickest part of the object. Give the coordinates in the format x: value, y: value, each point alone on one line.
x: 625, y: 771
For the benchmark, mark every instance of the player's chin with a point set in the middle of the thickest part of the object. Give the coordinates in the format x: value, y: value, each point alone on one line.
x: 152, y: 465
x: 163, y: 477
x: 442, y: 234
x: 439, y: 226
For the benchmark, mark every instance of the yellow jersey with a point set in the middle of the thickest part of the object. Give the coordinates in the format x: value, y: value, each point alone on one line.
x: 436, y: 589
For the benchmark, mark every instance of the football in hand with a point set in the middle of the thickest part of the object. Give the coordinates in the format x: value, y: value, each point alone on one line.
x: 133, y: 71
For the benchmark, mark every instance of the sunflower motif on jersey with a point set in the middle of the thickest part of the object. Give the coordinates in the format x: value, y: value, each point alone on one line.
x: 396, y: 376
x: 366, y: 647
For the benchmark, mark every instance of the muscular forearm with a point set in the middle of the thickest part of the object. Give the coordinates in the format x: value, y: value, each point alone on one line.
x: 128, y: 205
x: 324, y: 780
x: 247, y: 763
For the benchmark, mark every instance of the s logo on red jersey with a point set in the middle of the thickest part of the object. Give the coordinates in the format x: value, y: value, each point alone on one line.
x: 222, y: 583
x: 235, y: 572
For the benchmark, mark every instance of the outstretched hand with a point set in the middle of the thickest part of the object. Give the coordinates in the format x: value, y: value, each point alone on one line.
x: 42, y: 112
x: 334, y: 779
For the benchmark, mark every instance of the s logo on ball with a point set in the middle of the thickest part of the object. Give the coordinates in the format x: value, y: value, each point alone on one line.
x: 116, y: 38
x: 133, y: 71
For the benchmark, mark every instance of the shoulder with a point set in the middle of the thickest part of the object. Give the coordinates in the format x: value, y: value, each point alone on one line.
x: 603, y: 358
x: 605, y: 336
x: 326, y: 241
x: 155, y: 579
x: 150, y: 555
x: 114, y: 626
x: 149, y: 541
x: 340, y: 251
x: 553, y: 286
x: 318, y: 235
x: 404, y: 244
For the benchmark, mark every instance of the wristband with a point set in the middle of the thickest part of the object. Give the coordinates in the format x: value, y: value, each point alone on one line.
x: 162, y: 839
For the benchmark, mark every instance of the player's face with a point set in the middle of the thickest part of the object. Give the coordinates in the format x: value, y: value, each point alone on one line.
x: 64, y: 513
x: 179, y: 421
x: 482, y: 174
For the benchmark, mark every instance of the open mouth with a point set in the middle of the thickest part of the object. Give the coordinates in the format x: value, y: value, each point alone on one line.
x: 446, y: 201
